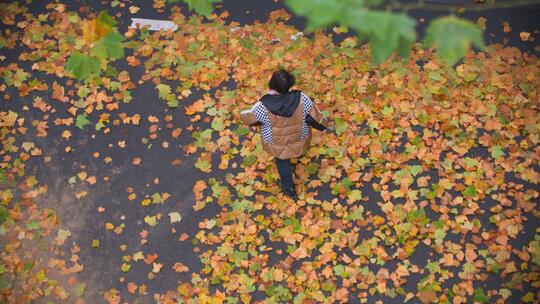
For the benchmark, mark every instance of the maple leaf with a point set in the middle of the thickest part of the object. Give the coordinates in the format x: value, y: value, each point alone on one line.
x: 81, y: 121
x: 150, y: 220
x: 175, y: 217
x: 180, y: 267
x: 197, y: 106
x: 110, y: 46
x: 165, y: 92
x: 132, y: 287
x: 8, y: 119
x: 452, y: 37
x: 82, y: 66
x: 63, y: 235
x: 480, y: 296
x: 202, y: 7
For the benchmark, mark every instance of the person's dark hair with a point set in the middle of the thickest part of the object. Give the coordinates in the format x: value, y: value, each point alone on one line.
x: 281, y: 81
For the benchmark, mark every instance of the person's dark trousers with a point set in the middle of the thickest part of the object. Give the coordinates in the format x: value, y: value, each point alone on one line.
x: 284, y: 168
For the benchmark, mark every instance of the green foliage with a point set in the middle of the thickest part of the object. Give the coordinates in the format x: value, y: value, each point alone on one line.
x: 388, y: 31
x: 3, y: 215
x: 497, y: 152
x: 480, y: 296
x: 106, y: 19
x: 110, y: 46
x: 320, y: 13
x: 165, y: 92
x: 452, y: 37
x: 470, y: 191
x: 81, y: 121
x: 82, y: 66
x: 87, y: 63
x: 385, y: 31
x: 201, y: 7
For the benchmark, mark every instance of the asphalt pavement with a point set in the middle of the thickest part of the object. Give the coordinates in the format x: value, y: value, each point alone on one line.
x: 102, y: 267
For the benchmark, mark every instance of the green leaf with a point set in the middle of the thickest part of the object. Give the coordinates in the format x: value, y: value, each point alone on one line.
x: 157, y: 198
x: 151, y: 220
x: 99, y: 125
x: 82, y: 66
x: 387, y: 110
x: 385, y: 31
x: 218, y: 123
x: 470, y: 162
x: 355, y: 195
x: 415, y: 169
x: 81, y: 121
x: 5, y: 284
x: 106, y: 19
x: 312, y: 168
x: 110, y: 46
x: 497, y: 152
x: 99, y: 51
x: 319, y: 13
x: 358, y: 213
x: 452, y: 36
x: 3, y: 215
x: 241, y: 131
x: 249, y: 160
x: 341, y: 126
x: 78, y: 290
x: 125, y: 267
x: 439, y: 224
x: 201, y: 7
x: 165, y: 92
x: 339, y: 270
x: 480, y: 296
x: 173, y: 102
x: 469, y: 191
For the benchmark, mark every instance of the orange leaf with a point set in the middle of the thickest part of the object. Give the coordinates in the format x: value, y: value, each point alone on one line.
x: 197, y: 106
x: 131, y: 287
x: 179, y: 267
x: 150, y: 258
x: 198, y: 188
x: 176, y: 132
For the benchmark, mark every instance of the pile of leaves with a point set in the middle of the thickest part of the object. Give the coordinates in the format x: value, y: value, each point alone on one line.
x: 426, y: 191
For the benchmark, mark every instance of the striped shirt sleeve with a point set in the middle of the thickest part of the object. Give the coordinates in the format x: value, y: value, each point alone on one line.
x: 306, y: 101
x: 262, y: 116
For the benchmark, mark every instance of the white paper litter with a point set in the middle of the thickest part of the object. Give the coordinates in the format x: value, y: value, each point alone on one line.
x: 295, y: 36
x: 154, y: 25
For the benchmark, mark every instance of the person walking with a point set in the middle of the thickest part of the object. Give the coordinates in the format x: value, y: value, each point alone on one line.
x: 286, y: 118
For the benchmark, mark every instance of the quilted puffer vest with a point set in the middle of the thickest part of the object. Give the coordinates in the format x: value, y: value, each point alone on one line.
x: 286, y: 135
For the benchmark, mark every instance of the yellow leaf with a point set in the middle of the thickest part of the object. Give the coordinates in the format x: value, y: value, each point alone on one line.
x: 89, y: 30
x: 134, y: 9
x: 7, y: 119
x: 125, y: 267
x: 156, y: 267
x: 150, y: 220
x: 138, y: 256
